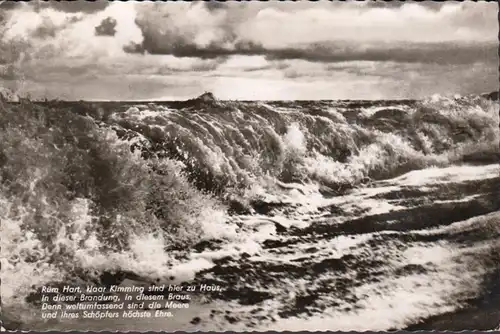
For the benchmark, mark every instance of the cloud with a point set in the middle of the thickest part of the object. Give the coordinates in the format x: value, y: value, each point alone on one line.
x: 106, y: 28
x: 440, y: 53
x: 215, y: 5
x: 34, y: 38
x: 282, y: 50
x: 8, y: 72
x: 455, y: 33
x: 28, y: 34
x: 73, y: 6
x: 48, y: 28
x: 10, y: 5
x: 184, y: 29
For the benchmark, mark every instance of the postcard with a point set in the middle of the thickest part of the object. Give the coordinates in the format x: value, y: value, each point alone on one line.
x: 249, y: 166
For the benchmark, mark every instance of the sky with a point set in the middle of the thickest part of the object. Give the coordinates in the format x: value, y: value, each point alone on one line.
x: 248, y: 50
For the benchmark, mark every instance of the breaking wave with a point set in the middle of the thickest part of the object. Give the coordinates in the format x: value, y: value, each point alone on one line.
x: 235, y: 146
x: 91, y: 189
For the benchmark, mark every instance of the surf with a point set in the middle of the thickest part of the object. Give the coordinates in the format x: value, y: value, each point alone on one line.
x: 93, y: 193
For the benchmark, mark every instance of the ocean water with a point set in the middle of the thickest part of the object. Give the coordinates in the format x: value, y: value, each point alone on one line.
x: 313, y: 215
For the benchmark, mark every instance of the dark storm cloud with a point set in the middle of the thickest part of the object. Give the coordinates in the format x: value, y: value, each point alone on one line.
x: 106, y: 28
x: 74, y: 6
x: 432, y: 53
x: 429, y: 53
x: 185, y: 48
x: 215, y: 5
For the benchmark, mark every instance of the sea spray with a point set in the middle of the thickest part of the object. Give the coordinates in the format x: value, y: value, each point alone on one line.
x: 86, y: 191
x: 77, y: 202
x: 241, y: 143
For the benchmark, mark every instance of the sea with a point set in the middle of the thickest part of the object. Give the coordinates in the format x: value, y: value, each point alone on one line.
x: 309, y: 215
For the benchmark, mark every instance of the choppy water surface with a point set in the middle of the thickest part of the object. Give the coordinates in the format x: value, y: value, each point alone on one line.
x: 315, y: 215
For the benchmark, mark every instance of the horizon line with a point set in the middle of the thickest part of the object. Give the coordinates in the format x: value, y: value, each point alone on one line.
x: 181, y: 99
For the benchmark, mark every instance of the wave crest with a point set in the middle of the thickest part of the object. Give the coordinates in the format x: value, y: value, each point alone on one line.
x: 75, y: 198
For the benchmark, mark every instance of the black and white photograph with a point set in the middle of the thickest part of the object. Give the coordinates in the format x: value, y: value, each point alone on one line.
x: 249, y: 165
